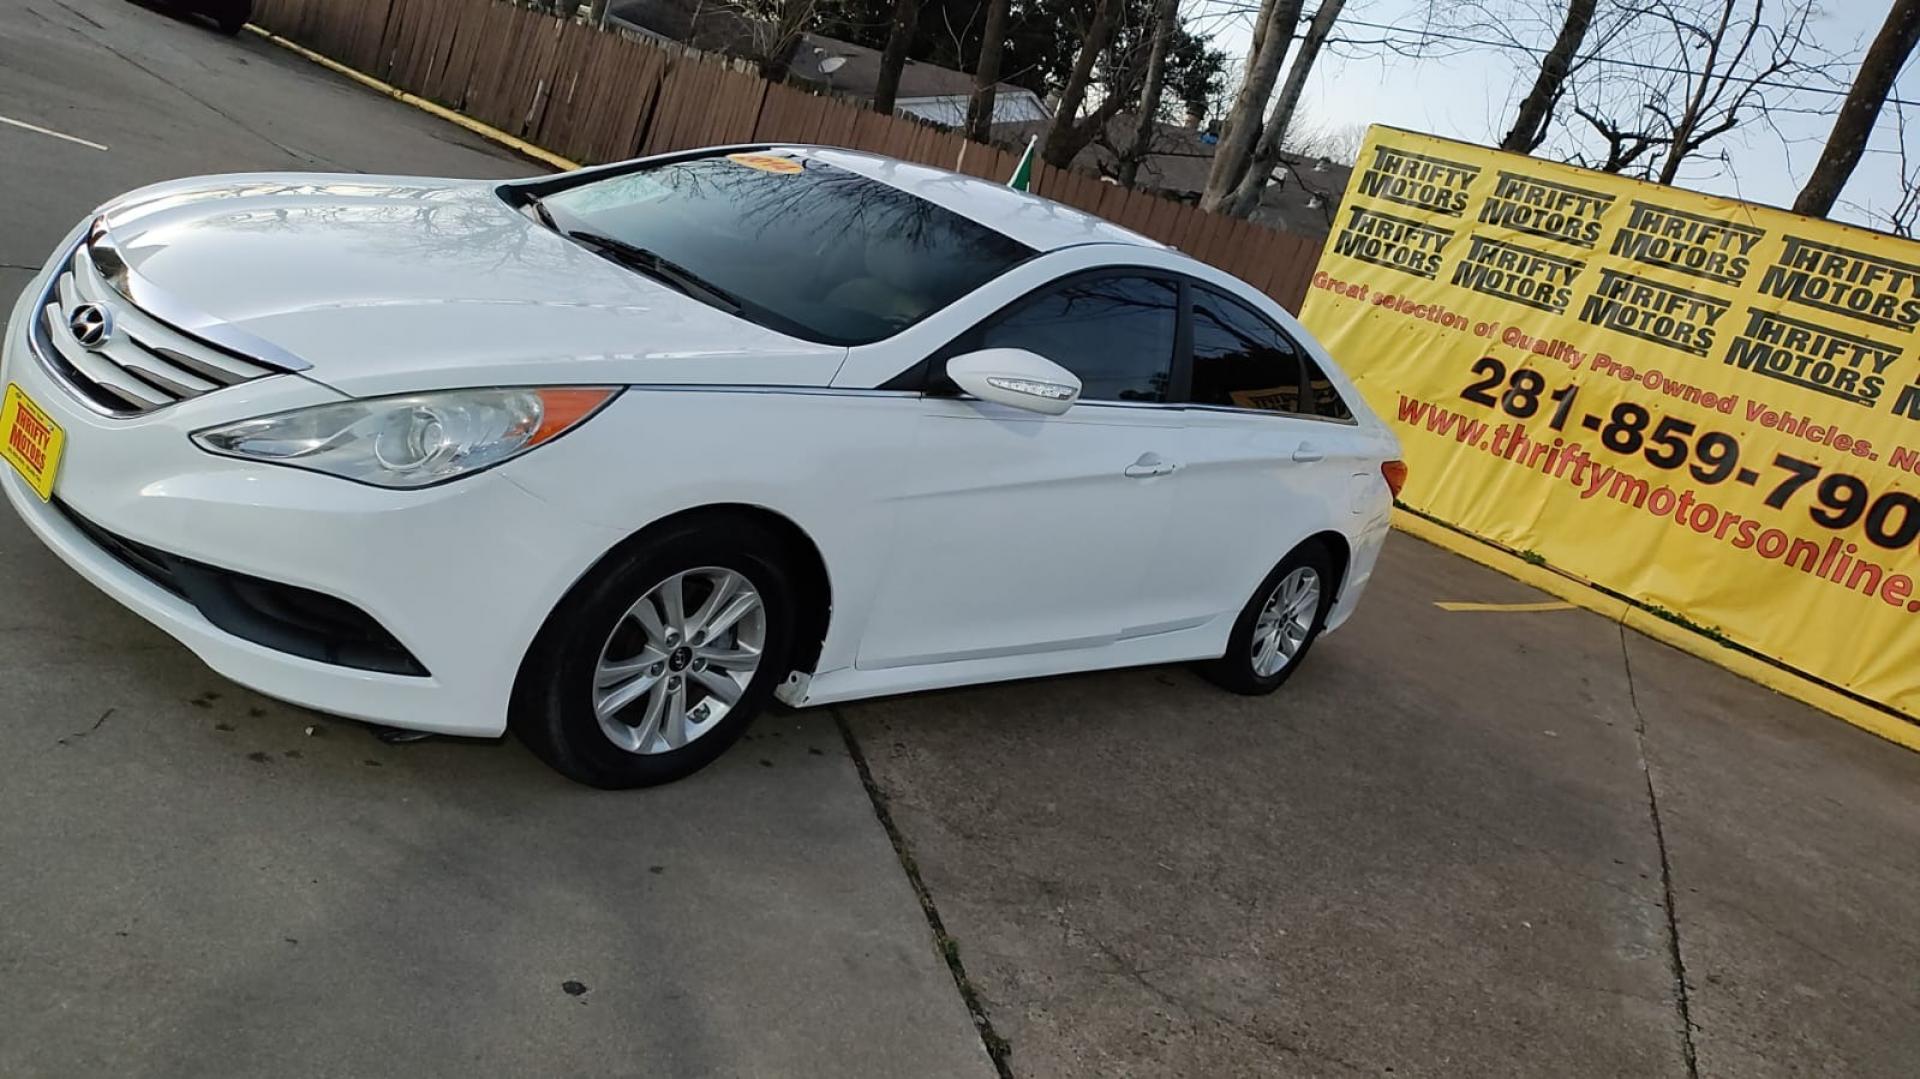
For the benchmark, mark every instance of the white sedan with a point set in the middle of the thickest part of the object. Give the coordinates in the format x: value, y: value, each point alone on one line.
x: 610, y: 458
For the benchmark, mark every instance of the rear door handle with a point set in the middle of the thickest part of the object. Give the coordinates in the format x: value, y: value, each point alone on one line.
x: 1307, y: 452
x: 1149, y: 464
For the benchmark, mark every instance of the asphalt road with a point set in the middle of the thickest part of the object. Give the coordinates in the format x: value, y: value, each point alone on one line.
x: 1457, y: 843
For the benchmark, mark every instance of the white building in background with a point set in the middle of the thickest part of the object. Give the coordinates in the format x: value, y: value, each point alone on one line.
x: 928, y: 91
x: 1011, y: 105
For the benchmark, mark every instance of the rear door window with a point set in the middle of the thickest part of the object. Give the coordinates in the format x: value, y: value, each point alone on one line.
x: 1321, y: 394
x: 1242, y: 360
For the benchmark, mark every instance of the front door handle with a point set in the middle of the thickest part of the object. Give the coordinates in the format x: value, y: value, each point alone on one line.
x: 1308, y: 452
x: 1149, y: 464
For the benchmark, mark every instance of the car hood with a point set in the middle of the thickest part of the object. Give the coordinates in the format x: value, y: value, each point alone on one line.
x: 391, y: 284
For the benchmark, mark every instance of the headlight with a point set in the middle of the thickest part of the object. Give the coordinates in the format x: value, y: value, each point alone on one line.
x: 409, y: 441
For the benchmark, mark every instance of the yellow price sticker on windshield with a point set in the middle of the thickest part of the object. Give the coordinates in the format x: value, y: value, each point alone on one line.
x: 784, y: 166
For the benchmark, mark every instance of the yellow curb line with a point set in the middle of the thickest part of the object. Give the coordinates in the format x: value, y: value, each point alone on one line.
x: 1888, y: 725
x: 1507, y: 608
x: 485, y: 131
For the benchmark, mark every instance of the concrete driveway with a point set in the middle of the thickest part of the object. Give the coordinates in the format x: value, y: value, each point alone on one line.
x: 1485, y: 843
x: 1459, y: 843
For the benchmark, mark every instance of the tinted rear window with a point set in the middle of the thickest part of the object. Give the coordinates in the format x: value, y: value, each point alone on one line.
x: 817, y: 251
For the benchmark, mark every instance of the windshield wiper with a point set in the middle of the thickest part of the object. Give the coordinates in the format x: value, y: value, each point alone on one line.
x: 540, y: 211
x: 653, y: 265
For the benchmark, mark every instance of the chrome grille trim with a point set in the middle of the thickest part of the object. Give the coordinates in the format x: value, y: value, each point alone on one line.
x: 164, y: 308
x: 154, y: 334
x: 151, y: 361
x: 97, y: 380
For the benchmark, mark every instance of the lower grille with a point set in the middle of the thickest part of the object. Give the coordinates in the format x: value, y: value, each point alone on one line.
x: 283, y: 617
x: 144, y: 560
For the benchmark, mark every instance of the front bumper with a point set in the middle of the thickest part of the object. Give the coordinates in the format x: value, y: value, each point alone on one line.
x: 461, y: 575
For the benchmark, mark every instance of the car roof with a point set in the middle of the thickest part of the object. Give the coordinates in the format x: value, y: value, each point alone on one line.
x: 1038, y: 222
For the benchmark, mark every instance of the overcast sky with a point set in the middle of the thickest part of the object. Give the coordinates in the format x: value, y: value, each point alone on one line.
x: 1471, y: 96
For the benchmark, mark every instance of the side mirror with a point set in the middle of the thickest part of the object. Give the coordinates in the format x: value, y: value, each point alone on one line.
x: 1017, y: 378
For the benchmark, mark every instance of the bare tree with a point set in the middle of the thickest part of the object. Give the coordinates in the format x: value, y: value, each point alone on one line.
x: 1148, y: 113
x: 906, y: 15
x: 986, y: 72
x: 1536, y: 109
x: 1559, y: 44
x: 1266, y: 155
x: 1885, y: 57
x: 1260, y: 19
x: 773, y: 28
x: 1070, y: 132
x: 1693, y: 125
x: 1234, y: 152
x: 1901, y: 217
x: 1684, y: 73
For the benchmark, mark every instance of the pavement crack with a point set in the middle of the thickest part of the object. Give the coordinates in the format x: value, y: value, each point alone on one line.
x: 1676, y: 962
x: 1140, y: 976
x: 90, y: 730
x: 998, y: 1049
x: 86, y: 18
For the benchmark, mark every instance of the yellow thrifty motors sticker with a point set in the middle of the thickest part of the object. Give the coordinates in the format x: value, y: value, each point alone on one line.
x: 784, y: 166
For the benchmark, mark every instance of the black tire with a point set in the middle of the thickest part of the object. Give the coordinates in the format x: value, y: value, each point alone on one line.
x: 231, y: 16
x: 1235, y: 671
x: 552, y: 710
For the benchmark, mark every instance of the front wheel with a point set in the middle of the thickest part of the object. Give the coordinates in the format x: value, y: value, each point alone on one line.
x: 657, y: 662
x: 1278, y: 625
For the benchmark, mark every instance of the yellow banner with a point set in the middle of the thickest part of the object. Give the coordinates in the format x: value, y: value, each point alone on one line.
x: 1705, y: 405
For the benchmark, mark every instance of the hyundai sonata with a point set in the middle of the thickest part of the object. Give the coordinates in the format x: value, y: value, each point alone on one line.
x: 612, y: 457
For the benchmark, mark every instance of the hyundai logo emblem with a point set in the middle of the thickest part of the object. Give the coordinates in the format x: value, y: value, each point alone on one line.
x: 92, y: 325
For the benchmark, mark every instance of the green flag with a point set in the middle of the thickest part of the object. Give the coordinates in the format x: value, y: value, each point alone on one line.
x: 1022, y: 178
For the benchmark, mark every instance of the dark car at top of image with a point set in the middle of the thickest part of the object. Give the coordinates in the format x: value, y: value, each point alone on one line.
x: 228, y: 15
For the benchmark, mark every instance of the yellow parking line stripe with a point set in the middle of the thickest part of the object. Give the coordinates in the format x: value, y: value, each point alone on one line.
x: 37, y: 129
x: 1550, y: 605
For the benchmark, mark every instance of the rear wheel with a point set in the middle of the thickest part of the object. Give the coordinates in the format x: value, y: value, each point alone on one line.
x: 652, y: 666
x: 1278, y: 625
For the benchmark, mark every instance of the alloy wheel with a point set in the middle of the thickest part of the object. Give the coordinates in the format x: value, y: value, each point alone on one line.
x: 1285, y: 621
x: 679, y: 659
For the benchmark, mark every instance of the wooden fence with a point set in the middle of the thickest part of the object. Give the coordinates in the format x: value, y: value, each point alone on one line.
x: 592, y: 96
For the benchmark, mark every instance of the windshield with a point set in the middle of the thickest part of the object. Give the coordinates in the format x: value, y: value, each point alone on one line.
x: 802, y: 246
